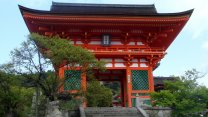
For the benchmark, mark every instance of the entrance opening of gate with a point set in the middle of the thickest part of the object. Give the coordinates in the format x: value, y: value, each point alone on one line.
x: 116, y: 81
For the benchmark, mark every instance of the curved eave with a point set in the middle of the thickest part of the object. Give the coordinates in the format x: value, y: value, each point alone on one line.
x: 180, y: 17
x: 184, y: 13
x: 34, y: 11
x: 42, y: 12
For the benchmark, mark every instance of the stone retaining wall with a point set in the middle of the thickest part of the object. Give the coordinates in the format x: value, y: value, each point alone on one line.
x: 158, y: 111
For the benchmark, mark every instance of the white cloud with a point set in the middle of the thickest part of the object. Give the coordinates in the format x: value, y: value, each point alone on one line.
x: 205, y: 45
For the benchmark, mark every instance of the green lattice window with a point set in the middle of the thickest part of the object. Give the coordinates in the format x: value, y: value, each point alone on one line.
x: 140, y: 80
x: 74, y: 80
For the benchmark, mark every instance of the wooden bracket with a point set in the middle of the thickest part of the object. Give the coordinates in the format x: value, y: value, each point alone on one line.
x: 128, y: 60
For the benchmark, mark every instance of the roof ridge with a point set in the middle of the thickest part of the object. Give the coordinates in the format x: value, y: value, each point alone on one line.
x: 104, y: 5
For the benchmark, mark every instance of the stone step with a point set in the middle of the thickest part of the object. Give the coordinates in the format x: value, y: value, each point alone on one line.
x: 113, y: 116
x: 112, y: 112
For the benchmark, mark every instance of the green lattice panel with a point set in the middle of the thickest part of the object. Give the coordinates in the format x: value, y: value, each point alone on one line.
x: 140, y: 80
x: 74, y: 79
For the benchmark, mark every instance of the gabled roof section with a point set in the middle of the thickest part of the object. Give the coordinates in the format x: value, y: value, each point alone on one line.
x: 159, y: 29
x: 103, y: 9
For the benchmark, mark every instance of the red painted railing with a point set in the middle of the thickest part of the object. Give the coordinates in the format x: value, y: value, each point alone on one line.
x: 125, y: 50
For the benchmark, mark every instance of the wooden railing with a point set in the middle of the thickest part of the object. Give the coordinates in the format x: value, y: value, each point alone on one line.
x: 125, y: 49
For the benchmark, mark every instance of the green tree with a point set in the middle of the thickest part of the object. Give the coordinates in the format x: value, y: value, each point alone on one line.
x: 15, y: 100
x: 61, y: 53
x: 40, y: 53
x: 98, y: 95
x: 183, y: 95
x: 28, y: 62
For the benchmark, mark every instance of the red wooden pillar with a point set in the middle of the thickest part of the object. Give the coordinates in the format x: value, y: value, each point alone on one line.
x: 129, y: 86
x: 61, y: 75
x: 151, y: 80
x: 84, y: 81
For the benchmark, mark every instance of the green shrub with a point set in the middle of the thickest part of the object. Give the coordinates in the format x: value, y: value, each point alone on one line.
x: 70, y: 104
x: 184, y: 95
x: 98, y: 95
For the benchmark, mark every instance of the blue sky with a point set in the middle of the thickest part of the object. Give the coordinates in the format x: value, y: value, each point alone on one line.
x: 189, y: 50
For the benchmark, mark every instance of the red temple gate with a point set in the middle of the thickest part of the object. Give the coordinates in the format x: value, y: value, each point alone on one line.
x: 130, y: 39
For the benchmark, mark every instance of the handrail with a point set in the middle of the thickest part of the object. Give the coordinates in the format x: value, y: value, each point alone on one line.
x: 116, y: 49
x: 127, y: 52
x: 139, y: 108
x: 81, y: 110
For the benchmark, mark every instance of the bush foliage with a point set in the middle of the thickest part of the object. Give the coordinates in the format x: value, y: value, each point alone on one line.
x: 98, y: 95
x: 15, y: 100
x: 183, y: 95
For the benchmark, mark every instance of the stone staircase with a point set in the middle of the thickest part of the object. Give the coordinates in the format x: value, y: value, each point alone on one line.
x: 111, y: 112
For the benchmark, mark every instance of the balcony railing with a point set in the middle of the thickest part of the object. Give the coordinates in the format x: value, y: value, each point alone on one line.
x: 125, y: 50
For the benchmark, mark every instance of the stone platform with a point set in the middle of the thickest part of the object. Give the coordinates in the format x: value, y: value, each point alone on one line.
x: 111, y: 112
